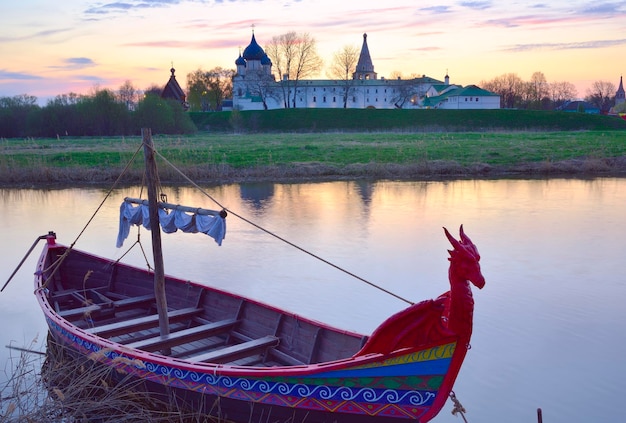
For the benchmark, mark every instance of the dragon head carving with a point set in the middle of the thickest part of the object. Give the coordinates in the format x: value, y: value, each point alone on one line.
x: 465, y: 260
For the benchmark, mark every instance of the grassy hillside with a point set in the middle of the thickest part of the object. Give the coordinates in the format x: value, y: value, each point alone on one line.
x: 375, y: 120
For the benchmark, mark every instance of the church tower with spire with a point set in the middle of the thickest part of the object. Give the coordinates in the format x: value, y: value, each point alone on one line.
x: 620, y: 95
x: 365, y: 67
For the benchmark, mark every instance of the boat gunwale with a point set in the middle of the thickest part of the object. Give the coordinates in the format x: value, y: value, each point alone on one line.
x: 175, y: 279
x: 213, y: 368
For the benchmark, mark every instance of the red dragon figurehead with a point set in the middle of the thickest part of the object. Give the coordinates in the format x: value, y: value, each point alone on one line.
x: 464, y: 260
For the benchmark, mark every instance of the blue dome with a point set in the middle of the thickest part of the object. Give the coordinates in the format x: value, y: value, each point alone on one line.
x: 240, y: 61
x: 253, y: 51
x: 266, y: 60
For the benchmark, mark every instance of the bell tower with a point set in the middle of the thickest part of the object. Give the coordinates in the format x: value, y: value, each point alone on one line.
x: 365, y: 67
x: 620, y: 94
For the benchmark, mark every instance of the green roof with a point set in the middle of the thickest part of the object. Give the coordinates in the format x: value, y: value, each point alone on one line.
x: 473, y: 90
x: 469, y: 91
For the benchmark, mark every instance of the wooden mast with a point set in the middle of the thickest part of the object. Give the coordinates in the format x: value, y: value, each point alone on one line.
x: 159, y: 272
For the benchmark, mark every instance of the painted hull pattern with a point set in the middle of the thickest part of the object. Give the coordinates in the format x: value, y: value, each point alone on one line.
x: 404, y: 386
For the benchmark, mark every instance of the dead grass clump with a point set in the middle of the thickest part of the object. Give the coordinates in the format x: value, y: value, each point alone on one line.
x: 60, y: 388
x: 20, y: 393
x: 597, y: 165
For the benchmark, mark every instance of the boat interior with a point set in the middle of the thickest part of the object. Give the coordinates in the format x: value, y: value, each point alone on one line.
x: 116, y: 302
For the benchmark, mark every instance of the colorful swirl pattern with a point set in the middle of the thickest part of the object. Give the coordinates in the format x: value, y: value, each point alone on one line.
x: 375, y: 389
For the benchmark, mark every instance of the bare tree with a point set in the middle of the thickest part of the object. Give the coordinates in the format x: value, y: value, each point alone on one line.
x: 342, y: 67
x: 509, y: 86
x: 561, y: 92
x: 525, y: 95
x: 537, y: 90
x: 395, y: 75
x: 129, y: 95
x: 399, y: 75
x: 602, y: 95
x: 21, y: 100
x: 68, y: 99
x: 263, y: 85
x: 281, y: 51
x: 405, y: 90
x: 294, y: 57
x: 537, y: 93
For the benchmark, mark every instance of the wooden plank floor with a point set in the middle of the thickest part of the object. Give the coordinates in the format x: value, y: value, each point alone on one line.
x: 135, y: 324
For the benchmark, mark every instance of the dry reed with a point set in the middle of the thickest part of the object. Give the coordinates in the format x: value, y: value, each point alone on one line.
x: 59, y: 388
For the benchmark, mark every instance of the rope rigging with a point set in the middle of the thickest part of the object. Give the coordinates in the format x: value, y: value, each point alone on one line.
x: 54, y: 266
x: 206, y: 194
x: 458, y: 408
x: 57, y: 263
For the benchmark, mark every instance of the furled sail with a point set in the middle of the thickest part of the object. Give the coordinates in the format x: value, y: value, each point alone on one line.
x: 172, y: 218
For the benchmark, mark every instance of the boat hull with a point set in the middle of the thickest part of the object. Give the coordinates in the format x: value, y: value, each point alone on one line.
x: 411, y: 383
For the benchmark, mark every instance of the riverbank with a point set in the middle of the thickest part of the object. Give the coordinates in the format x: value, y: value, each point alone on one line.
x: 433, y: 170
x: 295, y: 157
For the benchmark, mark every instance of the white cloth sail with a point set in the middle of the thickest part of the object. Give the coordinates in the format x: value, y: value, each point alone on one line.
x: 214, y: 225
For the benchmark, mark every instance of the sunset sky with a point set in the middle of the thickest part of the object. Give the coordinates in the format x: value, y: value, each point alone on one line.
x: 56, y: 47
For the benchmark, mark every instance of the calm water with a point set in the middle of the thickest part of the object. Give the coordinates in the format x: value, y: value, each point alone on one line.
x: 550, y: 325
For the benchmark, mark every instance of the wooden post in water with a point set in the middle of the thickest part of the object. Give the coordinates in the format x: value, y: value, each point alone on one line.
x: 155, y: 228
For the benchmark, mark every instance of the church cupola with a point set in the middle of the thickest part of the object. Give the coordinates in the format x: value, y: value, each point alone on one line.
x: 254, y: 56
x: 253, y: 60
x: 266, y: 61
x: 253, y: 51
x: 241, y: 65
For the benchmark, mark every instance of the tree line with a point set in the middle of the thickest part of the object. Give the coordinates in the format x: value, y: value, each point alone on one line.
x: 539, y: 94
x: 102, y: 113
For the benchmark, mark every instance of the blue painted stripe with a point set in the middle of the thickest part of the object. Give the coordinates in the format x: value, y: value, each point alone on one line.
x: 421, y: 368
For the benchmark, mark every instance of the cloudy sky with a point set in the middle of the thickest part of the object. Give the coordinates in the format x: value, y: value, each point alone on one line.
x: 56, y: 47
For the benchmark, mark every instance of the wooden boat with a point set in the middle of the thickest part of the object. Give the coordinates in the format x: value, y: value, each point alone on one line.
x: 252, y: 359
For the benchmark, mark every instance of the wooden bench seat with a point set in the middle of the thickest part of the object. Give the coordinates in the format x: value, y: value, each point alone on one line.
x: 235, y: 352
x: 132, y: 302
x: 119, y: 305
x: 75, y: 313
x: 76, y: 293
x: 183, y: 336
x: 141, y: 323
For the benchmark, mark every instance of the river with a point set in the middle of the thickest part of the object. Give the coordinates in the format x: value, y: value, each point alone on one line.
x: 549, y: 326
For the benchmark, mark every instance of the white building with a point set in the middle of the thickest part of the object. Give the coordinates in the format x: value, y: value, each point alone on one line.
x: 457, y: 97
x: 255, y: 88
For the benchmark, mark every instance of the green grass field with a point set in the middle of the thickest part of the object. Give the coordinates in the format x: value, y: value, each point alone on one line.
x: 339, y: 143
x: 271, y: 156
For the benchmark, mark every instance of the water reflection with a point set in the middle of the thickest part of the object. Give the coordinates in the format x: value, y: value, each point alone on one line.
x: 545, y: 324
x: 257, y: 194
x: 365, y: 189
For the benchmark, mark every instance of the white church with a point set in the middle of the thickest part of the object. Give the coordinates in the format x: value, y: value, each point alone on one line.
x: 255, y: 88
